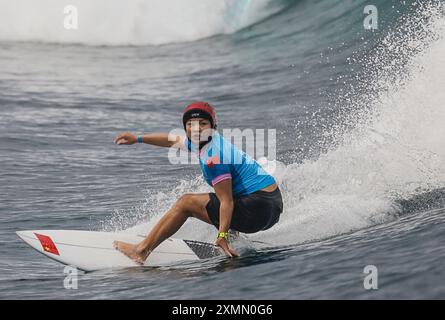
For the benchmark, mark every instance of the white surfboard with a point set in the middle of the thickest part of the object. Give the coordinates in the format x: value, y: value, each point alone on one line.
x: 89, y: 250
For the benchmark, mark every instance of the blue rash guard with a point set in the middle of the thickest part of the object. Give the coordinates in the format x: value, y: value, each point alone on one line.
x: 221, y: 160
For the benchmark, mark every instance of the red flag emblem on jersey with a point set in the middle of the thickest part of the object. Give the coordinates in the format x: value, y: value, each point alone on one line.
x: 47, y: 244
x: 212, y: 161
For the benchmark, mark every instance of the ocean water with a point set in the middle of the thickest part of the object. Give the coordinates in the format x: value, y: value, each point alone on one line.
x: 360, y: 158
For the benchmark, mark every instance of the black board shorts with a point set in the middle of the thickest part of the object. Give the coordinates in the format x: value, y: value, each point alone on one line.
x: 251, y: 213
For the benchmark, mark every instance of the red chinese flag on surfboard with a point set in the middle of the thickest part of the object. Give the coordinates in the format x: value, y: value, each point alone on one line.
x: 47, y: 244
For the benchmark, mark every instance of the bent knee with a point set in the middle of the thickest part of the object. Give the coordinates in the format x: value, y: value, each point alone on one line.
x: 186, y: 202
x: 185, y: 199
x: 193, y: 204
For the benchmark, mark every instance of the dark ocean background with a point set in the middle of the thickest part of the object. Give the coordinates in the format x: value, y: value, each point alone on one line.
x: 360, y: 156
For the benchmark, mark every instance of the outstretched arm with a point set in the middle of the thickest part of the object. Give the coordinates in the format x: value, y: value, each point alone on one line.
x: 161, y: 139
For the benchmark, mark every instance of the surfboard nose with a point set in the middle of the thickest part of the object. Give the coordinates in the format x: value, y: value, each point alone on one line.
x: 25, y: 234
x: 28, y: 236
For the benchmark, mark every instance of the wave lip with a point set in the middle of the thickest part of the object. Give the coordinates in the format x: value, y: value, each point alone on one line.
x: 132, y: 22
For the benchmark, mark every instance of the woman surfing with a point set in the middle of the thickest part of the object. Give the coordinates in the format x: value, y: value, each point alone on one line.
x: 246, y: 198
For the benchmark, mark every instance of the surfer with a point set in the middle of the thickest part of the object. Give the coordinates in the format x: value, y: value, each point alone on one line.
x: 246, y: 198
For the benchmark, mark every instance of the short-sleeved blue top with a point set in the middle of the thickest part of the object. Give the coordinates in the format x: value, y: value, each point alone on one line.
x: 221, y: 160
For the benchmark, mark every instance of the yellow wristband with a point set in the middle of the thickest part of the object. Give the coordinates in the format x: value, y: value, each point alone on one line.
x: 223, y: 235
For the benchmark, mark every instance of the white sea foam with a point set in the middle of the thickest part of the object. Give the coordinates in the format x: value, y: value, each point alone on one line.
x: 134, y: 22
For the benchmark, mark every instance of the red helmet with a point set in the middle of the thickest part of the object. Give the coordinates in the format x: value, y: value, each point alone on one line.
x: 200, y: 110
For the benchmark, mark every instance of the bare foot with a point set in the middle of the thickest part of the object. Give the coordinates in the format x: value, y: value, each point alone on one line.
x: 131, y: 251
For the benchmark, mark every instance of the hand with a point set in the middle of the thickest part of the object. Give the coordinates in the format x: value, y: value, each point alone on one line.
x: 125, y: 138
x: 222, y: 243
